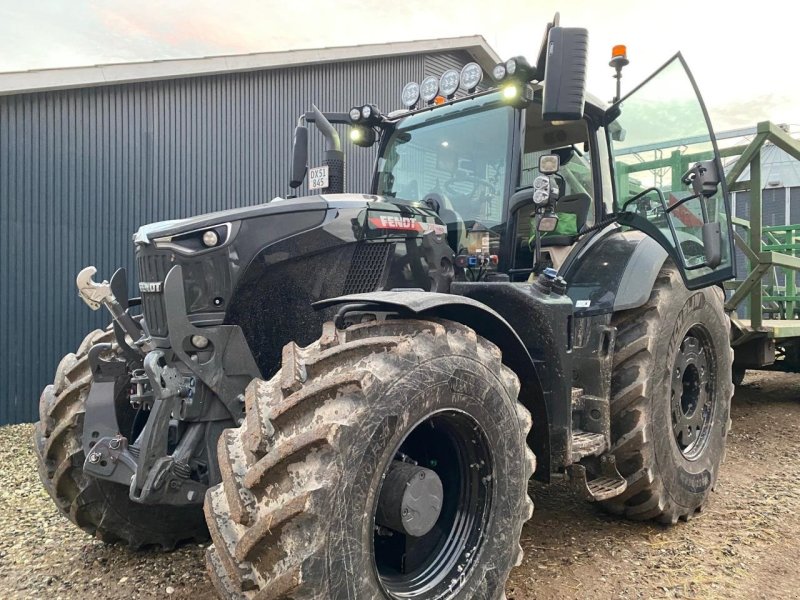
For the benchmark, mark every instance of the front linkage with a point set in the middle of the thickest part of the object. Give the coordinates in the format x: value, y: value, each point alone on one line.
x: 183, y: 397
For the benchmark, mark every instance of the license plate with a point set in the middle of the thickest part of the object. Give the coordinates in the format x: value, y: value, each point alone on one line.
x: 318, y: 178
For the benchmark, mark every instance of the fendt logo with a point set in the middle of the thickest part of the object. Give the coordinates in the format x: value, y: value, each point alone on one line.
x: 150, y: 287
x: 405, y: 224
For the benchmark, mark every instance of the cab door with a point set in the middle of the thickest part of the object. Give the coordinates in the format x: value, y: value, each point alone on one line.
x: 668, y: 175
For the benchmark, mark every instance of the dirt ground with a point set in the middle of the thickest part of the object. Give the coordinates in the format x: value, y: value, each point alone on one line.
x: 745, y: 545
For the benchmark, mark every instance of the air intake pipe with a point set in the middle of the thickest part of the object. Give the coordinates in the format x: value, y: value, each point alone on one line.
x: 334, y: 157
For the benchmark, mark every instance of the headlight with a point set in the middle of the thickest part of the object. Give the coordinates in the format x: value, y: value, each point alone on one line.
x: 366, y: 112
x: 448, y: 84
x: 198, y: 240
x: 355, y: 114
x: 210, y: 238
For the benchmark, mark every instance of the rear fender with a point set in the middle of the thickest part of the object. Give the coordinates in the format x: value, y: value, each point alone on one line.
x: 488, y: 324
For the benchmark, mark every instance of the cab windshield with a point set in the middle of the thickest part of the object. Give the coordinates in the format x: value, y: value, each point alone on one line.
x: 457, y: 156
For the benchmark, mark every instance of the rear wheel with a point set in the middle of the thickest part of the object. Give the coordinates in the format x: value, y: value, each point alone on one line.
x: 387, y: 460
x: 671, y: 389
x: 99, y: 507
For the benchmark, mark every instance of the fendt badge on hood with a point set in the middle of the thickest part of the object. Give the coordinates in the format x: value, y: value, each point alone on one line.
x: 150, y: 286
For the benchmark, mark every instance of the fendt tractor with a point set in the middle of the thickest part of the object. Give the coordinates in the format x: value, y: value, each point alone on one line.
x: 351, y: 391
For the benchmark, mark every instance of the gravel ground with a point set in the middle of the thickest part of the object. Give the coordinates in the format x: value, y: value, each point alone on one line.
x: 746, y: 545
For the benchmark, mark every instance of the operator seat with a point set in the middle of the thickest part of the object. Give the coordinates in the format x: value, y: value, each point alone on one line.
x: 576, y: 204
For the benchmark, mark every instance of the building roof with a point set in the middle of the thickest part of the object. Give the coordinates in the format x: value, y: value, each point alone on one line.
x: 778, y: 169
x: 41, y: 80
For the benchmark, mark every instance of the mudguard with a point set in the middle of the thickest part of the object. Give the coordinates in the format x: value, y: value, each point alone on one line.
x: 615, y: 270
x: 487, y: 323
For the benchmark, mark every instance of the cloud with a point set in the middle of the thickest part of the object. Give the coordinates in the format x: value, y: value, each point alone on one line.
x: 736, y: 114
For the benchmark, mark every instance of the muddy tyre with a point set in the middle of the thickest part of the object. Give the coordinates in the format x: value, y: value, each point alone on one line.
x: 302, y: 508
x: 738, y: 375
x: 101, y: 508
x: 671, y: 388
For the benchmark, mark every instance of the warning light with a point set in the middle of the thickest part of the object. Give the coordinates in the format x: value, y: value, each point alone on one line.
x: 619, y: 59
x: 439, y: 100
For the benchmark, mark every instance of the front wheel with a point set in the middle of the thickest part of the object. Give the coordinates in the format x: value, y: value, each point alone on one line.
x: 387, y: 460
x: 101, y: 508
x: 671, y: 389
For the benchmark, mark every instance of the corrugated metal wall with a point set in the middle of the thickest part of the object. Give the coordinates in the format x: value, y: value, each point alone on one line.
x: 80, y: 170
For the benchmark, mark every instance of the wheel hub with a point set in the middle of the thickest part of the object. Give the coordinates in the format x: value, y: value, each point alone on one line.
x: 691, y: 396
x: 433, y: 507
x: 411, y: 499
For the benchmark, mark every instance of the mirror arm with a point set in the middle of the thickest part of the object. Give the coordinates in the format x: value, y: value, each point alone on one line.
x: 644, y: 193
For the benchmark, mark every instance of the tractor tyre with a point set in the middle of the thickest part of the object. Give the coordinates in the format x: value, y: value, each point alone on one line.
x: 385, y: 460
x: 101, y: 508
x: 738, y: 375
x: 671, y: 389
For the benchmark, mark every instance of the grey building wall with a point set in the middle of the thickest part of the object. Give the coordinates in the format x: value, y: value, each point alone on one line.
x: 81, y: 169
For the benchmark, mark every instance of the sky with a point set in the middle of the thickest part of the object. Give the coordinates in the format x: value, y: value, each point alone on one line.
x: 741, y: 54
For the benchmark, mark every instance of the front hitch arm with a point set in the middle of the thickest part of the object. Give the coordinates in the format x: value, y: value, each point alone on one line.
x: 96, y: 295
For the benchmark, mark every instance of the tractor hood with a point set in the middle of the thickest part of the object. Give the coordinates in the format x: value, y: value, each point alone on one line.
x: 161, y: 229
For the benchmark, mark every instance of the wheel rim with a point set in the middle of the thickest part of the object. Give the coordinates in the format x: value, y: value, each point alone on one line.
x: 436, y: 565
x: 692, y: 394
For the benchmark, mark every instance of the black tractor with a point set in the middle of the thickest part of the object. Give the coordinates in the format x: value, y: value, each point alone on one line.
x: 357, y: 388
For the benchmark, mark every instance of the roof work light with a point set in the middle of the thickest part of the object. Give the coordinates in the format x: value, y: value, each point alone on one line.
x: 429, y: 88
x: 368, y: 115
x: 410, y: 94
x: 362, y: 136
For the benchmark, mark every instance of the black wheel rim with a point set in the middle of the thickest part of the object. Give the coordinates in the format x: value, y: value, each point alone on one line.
x: 436, y: 565
x: 692, y: 394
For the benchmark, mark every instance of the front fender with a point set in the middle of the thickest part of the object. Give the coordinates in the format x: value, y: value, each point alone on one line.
x: 488, y: 324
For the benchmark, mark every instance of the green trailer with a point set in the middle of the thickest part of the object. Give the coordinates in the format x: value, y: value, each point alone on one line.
x: 764, y: 304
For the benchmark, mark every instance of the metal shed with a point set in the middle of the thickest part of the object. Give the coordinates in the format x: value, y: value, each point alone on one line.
x: 88, y: 154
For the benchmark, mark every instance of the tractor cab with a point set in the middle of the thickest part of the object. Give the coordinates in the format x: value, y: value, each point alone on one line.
x: 521, y: 172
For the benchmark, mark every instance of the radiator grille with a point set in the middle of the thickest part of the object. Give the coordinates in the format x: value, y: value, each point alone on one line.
x: 367, y: 269
x: 154, y: 268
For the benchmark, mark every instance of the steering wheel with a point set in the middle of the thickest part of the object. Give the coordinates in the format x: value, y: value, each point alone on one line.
x: 466, y: 188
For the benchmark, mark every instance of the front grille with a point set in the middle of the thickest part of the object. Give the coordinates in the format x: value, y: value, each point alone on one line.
x: 367, y: 268
x: 154, y: 268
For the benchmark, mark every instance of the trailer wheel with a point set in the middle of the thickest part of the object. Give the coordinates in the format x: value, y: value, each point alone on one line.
x: 386, y: 460
x: 671, y: 389
x: 101, y: 508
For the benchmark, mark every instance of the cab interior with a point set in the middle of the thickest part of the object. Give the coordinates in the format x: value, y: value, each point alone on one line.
x: 570, y: 141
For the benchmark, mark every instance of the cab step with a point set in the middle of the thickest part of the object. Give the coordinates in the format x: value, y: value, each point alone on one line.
x: 585, y: 443
x: 607, y: 485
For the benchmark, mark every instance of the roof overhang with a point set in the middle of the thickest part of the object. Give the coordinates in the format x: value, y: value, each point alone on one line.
x: 43, y: 80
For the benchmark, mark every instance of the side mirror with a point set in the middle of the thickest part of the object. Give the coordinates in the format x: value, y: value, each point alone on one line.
x: 565, y: 74
x: 299, y: 156
x: 712, y: 244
